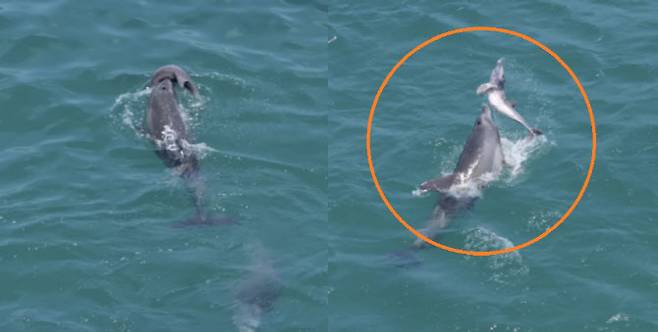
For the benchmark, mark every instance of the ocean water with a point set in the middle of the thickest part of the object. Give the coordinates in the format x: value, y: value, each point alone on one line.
x: 597, y: 271
x: 89, y: 216
x: 88, y: 212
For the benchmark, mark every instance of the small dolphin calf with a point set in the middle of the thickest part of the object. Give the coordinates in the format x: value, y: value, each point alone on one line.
x: 495, y: 91
x: 165, y: 127
x: 480, y: 162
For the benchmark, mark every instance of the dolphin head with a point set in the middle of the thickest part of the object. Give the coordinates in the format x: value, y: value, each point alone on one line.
x: 485, y: 120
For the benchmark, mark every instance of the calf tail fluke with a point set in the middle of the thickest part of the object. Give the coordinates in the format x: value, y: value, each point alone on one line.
x: 175, y: 74
x: 200, y: 219
x: 196, y: 187
x: 405, y: 258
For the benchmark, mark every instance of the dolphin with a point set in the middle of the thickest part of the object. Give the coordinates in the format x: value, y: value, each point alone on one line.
x: 495, y: 92
x: 164, y: 120
x: 257, y: 292
x: 480, y: 162
x: 165, y: 127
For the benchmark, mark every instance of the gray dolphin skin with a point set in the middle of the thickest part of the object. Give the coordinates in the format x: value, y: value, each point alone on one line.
x: 166, y: 128
x: 175, y: 74
x: 164, y: 121
x: 480, y: 161
x: 495, y: 92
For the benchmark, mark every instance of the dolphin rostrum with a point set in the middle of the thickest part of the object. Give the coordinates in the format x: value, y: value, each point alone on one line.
x: 495, y: 91
x: 166, y: 128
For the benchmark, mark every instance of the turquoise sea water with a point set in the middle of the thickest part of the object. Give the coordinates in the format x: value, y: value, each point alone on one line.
x: 88, y: 213
x: 597, y: 271
x: 87, y: 210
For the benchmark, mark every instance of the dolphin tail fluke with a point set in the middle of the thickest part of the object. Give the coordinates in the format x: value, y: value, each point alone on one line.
x: 247, y: 317
x: 439, y: 184
x: 175, y: 73
x: 201, y: 220
x: 405, y: 258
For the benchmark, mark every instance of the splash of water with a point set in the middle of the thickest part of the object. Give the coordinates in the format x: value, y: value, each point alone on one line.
x: 506, y: 267
x: 517, y: 152
x: 131, y: 106
x: 169, y: 139
x: 542, y: 220
x: 200, y: 149
x: 463, y: 188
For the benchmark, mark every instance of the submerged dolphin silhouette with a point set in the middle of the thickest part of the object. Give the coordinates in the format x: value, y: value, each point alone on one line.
x: 257, y: 292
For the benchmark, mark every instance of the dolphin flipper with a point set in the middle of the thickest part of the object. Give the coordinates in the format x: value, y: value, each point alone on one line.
x: 439, y: 184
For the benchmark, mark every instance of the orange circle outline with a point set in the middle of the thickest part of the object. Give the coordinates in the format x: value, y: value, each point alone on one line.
x: 372, y: 115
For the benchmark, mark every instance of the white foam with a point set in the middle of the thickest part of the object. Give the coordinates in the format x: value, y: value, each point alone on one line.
x: 419, y: 192
x: 470, y: 188
x: 247, y: 317
x: 542, y: 220
x: 201, y: 150
x: 506, y: 267
x: 169, y: 139
x: 620, y: 317
x: 517, y: 152
x: 130, y: 96
x: 129, y: 104
x: 463, y: 187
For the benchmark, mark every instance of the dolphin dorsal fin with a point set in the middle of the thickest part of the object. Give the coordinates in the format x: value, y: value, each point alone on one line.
x: 439, y: 184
